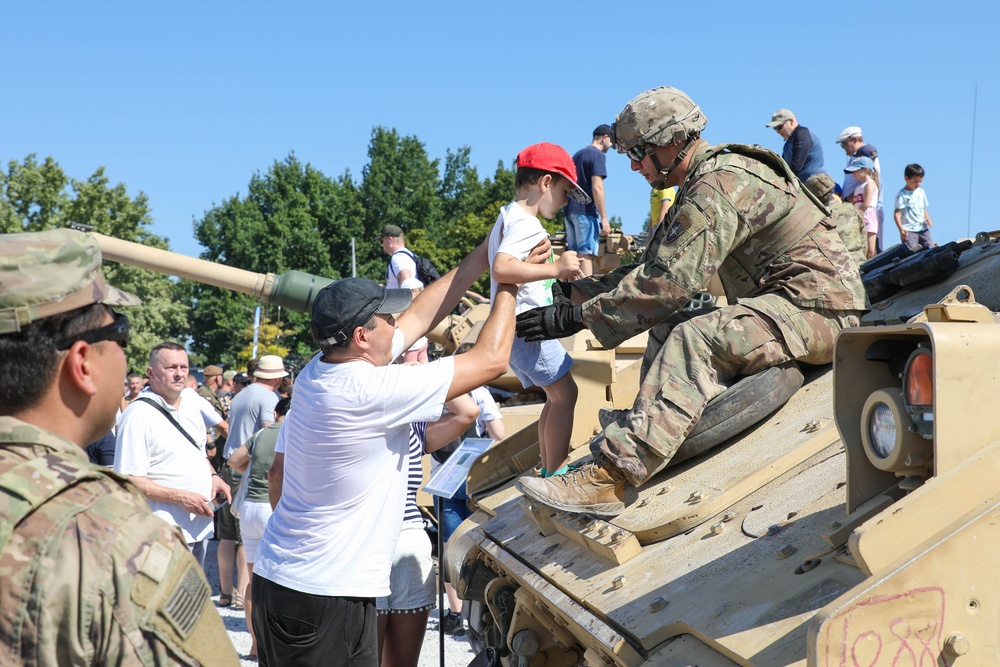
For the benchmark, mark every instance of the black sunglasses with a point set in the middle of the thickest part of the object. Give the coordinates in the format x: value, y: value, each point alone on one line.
x: 117, y: 331
x: 639, y: 151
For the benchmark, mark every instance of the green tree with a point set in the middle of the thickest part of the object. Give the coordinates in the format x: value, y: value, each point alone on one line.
x: 39, y: 196
x: 275, y: 228
x: 399, y: 186
x: 271, y: 339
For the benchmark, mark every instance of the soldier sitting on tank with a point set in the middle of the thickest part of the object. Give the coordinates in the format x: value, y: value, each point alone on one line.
x: 739, y: 213
x: 90, y: 575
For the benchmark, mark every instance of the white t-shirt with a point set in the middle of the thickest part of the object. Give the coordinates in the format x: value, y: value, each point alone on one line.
x: 346, y: 444
x: 401, y: 260
x: 488, y: 410
x: 209, y: 415
x: 148, y: 446
x: 515, y: 233
x: 250, y: 411
x: 414, y: 283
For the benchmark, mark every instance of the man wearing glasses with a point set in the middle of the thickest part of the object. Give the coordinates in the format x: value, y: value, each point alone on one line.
x: 740, y: 213
x: 802, y: 150
x: 90, y: 575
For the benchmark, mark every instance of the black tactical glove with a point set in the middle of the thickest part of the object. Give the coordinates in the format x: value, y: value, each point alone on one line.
x: 556, y: 321
x: 561, y: 291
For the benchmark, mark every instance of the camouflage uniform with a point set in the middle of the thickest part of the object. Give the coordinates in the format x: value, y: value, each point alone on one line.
x: 211, y: 441
x: 849, y: 221
x: 206, y: 392
x: 89, y: 575
x: 791, y: 284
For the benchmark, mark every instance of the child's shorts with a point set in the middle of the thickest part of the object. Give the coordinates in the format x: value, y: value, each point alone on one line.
x: 540, y: 363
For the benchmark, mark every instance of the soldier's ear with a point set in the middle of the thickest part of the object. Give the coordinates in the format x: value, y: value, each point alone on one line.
x: 80, y: 364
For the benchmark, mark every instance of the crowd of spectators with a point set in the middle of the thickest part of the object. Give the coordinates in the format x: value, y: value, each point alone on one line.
x: 187, y: 446
x: 862, y: 184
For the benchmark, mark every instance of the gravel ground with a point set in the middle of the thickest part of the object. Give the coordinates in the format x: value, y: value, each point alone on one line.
x: 457, y: 652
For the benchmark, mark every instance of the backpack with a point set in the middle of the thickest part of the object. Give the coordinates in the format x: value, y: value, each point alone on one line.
x: 426, y: 271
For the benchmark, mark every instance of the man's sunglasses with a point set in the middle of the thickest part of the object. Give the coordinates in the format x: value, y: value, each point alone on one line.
x: 639, y: 151
x: 117, y: 331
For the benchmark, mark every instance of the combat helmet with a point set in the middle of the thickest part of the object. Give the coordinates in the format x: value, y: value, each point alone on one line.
x: 659, y: 117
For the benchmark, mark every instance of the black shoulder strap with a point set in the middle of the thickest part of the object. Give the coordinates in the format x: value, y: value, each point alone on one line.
x: 163, y: 411
x: 408, y: 252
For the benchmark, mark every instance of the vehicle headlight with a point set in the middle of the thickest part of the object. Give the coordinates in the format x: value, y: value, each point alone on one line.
x: 882, y: 427
x: 890, y: 442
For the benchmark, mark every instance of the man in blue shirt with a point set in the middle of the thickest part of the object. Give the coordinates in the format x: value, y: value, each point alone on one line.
x: 802, y: 150
x: 586, y: 223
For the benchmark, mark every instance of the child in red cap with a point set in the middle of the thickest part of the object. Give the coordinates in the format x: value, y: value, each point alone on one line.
x: 545, y: 177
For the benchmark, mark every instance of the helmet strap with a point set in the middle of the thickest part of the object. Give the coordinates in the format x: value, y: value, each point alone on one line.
x: 664, y: 173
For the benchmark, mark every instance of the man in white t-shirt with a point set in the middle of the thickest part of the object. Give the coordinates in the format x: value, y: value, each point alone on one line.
x: 402, y: 264
x: 340, y: 461
x: 161, y: 447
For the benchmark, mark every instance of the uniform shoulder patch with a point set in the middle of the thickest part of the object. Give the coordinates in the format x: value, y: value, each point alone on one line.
x: 675, y: 229
x: 184, y: 606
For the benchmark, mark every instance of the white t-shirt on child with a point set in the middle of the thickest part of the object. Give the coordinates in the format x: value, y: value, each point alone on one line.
x: 515, y: 233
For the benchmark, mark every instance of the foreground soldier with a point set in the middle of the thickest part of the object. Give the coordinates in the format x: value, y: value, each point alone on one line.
x: 90, y: 576
x: 741, y: 213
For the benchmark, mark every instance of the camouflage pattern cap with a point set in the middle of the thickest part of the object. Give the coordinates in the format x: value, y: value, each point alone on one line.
x: 820, y: 184
x: 47, y: 273
x: 659, y: 117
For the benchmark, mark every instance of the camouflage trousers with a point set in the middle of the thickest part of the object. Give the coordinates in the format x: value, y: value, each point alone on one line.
x: 694, y: 356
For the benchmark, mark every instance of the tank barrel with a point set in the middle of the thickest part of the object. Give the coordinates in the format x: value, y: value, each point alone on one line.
x: 292, y: 289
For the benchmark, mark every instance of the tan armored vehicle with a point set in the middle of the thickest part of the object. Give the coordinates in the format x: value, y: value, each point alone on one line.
x: 836, y: 515
x: 852, y: 526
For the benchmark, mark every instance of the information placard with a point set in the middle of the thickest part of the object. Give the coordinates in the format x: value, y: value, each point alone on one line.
x: 448, y: 477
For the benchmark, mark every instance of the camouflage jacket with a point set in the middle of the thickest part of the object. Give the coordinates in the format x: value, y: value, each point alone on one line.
x: 206, y: 392
x: 851, y: 227
x: 90, y: 576
x: 742, y: 215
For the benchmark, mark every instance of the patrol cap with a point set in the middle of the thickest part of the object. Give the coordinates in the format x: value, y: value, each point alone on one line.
x: 859, y: 163
x: 212, y: 370
x: 229, y: 375
x: 549, y: 157
x: 48, y: 273
x: 848, y: 132
x: 780, y: 116
x: 821, y: 185
x: 391, y: 230
x: 346, y: 304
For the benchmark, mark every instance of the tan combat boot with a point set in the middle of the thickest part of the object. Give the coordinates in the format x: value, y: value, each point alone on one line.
x: 597, y: 488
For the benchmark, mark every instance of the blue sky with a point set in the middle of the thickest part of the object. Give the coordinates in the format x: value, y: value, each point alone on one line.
x: 184, y: 101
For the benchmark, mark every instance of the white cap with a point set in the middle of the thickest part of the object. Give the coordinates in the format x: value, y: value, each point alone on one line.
x: 848, y: 132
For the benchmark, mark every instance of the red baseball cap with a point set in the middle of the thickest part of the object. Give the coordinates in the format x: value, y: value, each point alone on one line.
x: 549, y: 157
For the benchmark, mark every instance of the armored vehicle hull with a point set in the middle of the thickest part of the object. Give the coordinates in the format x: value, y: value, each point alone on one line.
x: 853, y: 526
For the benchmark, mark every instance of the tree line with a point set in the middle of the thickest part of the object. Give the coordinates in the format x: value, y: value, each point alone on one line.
x: 292, y: 217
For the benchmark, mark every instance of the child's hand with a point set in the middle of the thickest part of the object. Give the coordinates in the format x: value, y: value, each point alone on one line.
x: 568, y: 265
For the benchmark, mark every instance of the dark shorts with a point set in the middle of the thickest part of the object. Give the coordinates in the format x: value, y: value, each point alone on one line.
x: 295, y: 628
x: 227, y: 527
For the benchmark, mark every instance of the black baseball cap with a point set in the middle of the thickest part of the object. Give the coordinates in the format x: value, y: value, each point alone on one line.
x: 346, y: 304
x: 602, y: 129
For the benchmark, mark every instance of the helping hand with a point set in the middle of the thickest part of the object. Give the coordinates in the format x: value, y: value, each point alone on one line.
x: 568, y: 265
x: 548, y: 322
